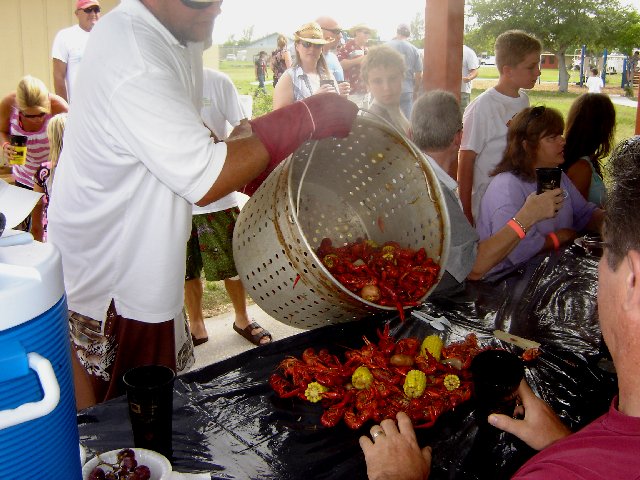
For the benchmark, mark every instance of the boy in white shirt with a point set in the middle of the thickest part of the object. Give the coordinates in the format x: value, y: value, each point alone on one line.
x: 594, y: 82
x: 484, y: 137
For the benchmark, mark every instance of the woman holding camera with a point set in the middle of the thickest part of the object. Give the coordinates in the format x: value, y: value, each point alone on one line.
x: 534, y: 140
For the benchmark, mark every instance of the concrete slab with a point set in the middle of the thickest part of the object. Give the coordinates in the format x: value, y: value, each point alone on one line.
x: 224, y: 342
x: 622, y: 100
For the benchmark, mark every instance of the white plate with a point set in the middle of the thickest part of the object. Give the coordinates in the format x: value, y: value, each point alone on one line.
x: 158, y: 464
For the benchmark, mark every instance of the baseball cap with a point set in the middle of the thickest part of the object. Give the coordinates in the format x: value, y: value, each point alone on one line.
x: 82, y: 4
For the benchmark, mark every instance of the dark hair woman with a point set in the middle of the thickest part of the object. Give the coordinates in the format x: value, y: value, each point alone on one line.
x: 534, y: 140
x: 590, y: 127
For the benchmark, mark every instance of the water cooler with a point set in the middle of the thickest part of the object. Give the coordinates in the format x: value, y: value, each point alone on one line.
x: 37, y: 406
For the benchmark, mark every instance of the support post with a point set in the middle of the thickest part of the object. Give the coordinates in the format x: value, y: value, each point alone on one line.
x: 444, y: 31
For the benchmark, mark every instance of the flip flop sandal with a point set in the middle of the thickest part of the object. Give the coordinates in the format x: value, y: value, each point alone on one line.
x: 255, y: 339
x: 198, y: 341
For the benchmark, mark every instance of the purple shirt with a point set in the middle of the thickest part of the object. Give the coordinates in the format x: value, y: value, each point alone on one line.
x: 506, y: 195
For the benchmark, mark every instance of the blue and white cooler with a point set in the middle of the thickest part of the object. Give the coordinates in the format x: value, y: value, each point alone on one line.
x: 37, y: 403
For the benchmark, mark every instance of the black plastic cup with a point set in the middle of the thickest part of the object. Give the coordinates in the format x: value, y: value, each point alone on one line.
x: 547, y: 179
x: 150, y: 395
x: 496, y: 375
x: 19, y: 144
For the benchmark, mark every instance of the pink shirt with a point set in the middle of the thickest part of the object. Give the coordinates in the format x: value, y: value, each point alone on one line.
x: 37, y: 148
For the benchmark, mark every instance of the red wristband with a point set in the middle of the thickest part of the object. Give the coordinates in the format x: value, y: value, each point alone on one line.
x: 554, y: 239
x: 516, y: 228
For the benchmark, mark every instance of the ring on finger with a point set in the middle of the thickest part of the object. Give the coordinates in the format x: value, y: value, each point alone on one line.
x: 377, y: 433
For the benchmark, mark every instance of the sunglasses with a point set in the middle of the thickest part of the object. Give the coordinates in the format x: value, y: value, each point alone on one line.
x: 93, y: 9
x: 310, y: 45
x: 535, y: 112
x: 35, y: 115
x: 335, y: 31
x: 196, y: 5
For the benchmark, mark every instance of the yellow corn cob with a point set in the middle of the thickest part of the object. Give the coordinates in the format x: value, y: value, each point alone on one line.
x: 415, y: 383
x: 432, y: 344
x: 451, y: 381
x: 361, y: 378
x: 314, y: 392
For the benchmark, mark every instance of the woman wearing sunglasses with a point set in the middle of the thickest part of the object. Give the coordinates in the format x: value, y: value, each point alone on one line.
x: 309, y: 74
x: 27, y: 112
x: 534, y: 140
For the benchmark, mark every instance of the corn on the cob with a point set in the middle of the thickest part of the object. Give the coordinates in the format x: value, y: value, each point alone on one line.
x: 314, y: 392
x: 451, y: 381
x: 432, y: 344
x: 415, y: 383
x: 362, y: 378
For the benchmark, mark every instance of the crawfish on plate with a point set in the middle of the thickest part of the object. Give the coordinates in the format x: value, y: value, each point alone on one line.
x: 387, y: 274
x: 422, y: 379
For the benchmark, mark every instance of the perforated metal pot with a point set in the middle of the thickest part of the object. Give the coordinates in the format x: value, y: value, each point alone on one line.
x: 373, y: 184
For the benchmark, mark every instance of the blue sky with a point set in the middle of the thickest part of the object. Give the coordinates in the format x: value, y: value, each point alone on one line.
x: 286, y: 16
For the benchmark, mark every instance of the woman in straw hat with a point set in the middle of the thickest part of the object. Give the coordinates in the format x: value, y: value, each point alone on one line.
x: 309, y: 74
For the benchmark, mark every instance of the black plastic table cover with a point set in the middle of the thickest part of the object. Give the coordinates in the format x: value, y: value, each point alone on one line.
x: 228, y: 421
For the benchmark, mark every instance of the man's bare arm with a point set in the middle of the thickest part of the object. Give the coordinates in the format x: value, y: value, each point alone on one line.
x: 60, y: 78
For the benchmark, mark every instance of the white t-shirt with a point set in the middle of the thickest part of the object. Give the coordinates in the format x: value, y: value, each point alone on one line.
x: 485, y: 132
x: 595, y: 84
x: 136, y: 156
x: 68, y: 47
x: 469, y: 62
x: 221, y: 111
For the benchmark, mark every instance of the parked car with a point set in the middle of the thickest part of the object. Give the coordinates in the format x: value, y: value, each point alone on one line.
x: 231, y: 56
x: 489, y: 60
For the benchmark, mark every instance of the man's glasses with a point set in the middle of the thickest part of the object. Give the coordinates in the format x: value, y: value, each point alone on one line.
x: 196, y: 5
x: 335, y: 31
x: 33, y: 116
x: 92, y: 9
x: 310, y: 45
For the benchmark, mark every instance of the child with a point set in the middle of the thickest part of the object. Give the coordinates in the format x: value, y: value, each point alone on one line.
x: 43, y: 177
x: 382, y: 71
x: 594, y: 82
x: 486, y: 119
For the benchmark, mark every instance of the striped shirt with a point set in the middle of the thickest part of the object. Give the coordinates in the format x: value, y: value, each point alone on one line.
x: 37, y: 148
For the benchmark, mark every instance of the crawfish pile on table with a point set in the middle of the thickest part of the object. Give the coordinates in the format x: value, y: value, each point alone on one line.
x: 385, y: 274
x: 423, y: 379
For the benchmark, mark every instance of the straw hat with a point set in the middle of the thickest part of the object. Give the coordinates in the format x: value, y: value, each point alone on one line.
x: 360, y: 26
x: 312, y: 33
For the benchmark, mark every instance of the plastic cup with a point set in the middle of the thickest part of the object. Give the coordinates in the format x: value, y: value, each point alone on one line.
x: 548, y: 179
x: 150, y: 396
x: 19, y: 144
x: 496, y: 375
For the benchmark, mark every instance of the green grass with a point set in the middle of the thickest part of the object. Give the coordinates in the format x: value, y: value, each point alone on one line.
x: 548, y: 75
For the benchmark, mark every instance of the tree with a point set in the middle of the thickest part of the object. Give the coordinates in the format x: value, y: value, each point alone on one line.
x: 417, y: 29
x: 558, y: 24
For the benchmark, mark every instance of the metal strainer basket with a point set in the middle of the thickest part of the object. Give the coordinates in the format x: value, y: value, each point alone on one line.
x: 372, y: 184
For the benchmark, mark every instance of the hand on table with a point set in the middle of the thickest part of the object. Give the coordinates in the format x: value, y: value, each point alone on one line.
x: 394, y: 451
x: 540, y: 427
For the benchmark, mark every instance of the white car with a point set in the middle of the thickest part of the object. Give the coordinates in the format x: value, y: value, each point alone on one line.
x: 491, y: 60
x: 231, y: 56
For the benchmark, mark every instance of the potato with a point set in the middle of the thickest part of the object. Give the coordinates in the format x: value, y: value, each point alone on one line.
x: 400, y: 360
x: 370, y: 293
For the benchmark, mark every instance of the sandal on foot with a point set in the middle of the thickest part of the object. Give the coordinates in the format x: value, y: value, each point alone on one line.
x: 255, y: 339
x: 198, y: 341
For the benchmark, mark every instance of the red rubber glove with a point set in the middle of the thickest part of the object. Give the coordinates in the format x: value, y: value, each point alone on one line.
x: 284, y: 130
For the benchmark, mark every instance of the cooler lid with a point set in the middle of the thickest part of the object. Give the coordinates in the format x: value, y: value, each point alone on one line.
x: 31, y: 282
